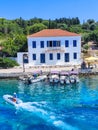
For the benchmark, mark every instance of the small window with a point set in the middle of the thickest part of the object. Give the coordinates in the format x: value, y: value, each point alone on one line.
x: 54, y: 44
x: 74, y: 43
x: 50, y: 44
x: 25, y: 60
x: 42, y: 44
x: 58, y: 56
x: 51, y: 56
x: 75, y: 55
x: 33, y: 44
x: 58, y: 43
x: 42, y: 58
x: 66, y: 57
x: 47, y: 44
x: 34, y: 56
x: 66, y: 43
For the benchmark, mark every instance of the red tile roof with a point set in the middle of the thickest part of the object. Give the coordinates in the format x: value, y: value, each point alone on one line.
x: 53, y: 33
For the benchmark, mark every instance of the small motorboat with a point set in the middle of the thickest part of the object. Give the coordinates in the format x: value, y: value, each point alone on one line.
x: 67, y: 81
x: 54, y: 79
x: 72, y: 79
x: 77, y: 79
x: 10, y: 99
x: 38, y: 79
x: 62, y: 79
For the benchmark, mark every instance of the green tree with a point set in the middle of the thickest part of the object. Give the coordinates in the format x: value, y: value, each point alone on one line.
x: 76, y: 28
x: 12, y: 45
x: 92, y: 26
x: 62, y: 26
x: 90, y: 21
x: 37, y: 27
x: 85, y: 26
x: 46, y: 23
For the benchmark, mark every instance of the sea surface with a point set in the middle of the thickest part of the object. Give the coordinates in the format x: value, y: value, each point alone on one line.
x: 50, y: 107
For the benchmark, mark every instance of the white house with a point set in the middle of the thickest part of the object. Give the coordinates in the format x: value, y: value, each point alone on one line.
x: 54, y: 47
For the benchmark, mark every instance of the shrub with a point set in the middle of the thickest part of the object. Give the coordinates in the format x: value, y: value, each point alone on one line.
x: 7, y: 63
x: 86, y: 46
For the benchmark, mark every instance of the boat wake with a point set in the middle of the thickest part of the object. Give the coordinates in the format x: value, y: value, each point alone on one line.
x: 40, y: 110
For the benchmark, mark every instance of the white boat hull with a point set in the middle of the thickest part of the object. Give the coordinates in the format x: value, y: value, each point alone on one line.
x: 56, y: 80
x: 7, y: 98
x: 67, y: 81
x: 35, y: 80
x: 38, y: 79
x: 62, y: 81
x: 51, y: 80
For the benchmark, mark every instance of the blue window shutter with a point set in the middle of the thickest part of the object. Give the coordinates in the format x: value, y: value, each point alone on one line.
x: 42, y: 44
x: 51, y: 56
x: 34, y: 56
x: 74, y: 43
x: 58, y: 56
x: 75, y: 55
x: 54, y: 44
x: 66, y: 43
x: 42, y: 58
x: 33, y: 44
x: 47, y: 44
x: 66, y: 57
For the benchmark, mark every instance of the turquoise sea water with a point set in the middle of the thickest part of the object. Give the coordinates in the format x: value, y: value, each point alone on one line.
x: 50, y: 107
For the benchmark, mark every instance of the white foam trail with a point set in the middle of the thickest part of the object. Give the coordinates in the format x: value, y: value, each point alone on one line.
x: 48, y: 117
x: 63, y: 126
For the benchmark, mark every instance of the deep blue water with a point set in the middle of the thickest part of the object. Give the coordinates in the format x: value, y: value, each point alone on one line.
x: 50, y: 107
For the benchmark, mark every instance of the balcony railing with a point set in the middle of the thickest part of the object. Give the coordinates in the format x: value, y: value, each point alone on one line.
x: 55, y: 49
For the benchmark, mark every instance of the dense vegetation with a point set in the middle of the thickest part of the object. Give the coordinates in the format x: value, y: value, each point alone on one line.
x: 7, y: 63
x: 13, y: 33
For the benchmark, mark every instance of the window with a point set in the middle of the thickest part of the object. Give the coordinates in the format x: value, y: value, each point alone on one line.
x: 75, y: 55
x: 34, y: 56
x: 25, y: 60
x: 66, y: 57
x: 42, y: 44
x: 51, y: 56
x: 66, y: 43
x: 47, y: 43
x: 74, y: 43
x: 58, y: 56
x: 50, y: 44
x: 58, y: 43
x: 53, y: 44
x: 42, y: 58
x: 33, y: 44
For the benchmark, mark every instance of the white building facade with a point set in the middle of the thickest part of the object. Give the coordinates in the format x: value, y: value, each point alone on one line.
x: 54, y: 47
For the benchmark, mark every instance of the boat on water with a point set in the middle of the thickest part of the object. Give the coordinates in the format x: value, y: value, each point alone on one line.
x: 77, y: 80
x: 11, y: 100
x: 67, y: 80
x: 62, y: 79
x: 35, y: 80
x: 74, y: 79
x: 38, y: 79
x: 54, y: 79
